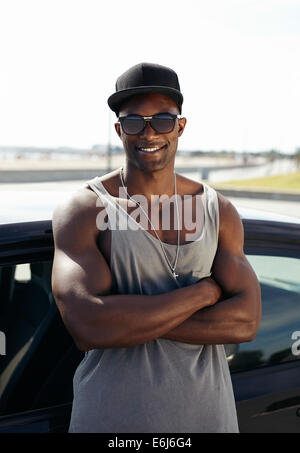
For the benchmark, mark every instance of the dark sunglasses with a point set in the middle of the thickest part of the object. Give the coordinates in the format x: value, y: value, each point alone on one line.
x: 162, y: 123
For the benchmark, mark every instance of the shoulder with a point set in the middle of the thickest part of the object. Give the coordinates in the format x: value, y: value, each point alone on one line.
x: 80, y: 202
x: 187, y: 186
x: 76, y: 215
x: 230, y: 224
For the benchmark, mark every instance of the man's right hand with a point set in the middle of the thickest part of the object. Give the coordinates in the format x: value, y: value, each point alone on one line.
x: 209, y: 289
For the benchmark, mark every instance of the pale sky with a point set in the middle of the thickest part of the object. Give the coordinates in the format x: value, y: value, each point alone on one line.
x: 238, y: 63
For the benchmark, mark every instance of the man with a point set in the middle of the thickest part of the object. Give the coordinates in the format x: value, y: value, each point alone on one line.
x: 152, y: 309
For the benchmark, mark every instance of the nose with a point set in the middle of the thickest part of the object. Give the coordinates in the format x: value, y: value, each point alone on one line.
x: 148, y: 131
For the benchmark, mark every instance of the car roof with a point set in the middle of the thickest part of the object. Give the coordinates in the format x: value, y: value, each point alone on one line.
x: 257, y: 214
x: 30, y: 205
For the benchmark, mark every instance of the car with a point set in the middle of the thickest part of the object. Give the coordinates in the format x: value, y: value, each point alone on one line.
x: 38, y: 357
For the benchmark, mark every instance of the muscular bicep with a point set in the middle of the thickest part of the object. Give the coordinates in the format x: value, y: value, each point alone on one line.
x: 233, y: 272
x: 85, y: 273
x: 79, y: 268
x: 231, y: 268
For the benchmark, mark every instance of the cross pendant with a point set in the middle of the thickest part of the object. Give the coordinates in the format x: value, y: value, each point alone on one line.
x: 175, y: 275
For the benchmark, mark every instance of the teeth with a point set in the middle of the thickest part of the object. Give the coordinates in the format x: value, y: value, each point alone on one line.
x: 149, y: 150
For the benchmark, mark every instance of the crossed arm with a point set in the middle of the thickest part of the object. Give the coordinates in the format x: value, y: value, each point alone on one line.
x: 219, y: 310
x: 235, y: 319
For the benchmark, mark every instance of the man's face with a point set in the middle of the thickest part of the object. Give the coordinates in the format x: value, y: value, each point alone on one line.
x: 134, y: 145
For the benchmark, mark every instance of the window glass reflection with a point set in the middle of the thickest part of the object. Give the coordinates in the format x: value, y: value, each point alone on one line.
x: 279, y: 278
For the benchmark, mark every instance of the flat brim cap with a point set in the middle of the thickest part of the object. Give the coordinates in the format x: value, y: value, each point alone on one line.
x: 145, y: 78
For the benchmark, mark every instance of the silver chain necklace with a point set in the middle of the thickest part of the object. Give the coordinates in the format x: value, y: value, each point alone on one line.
x: 172, y: 268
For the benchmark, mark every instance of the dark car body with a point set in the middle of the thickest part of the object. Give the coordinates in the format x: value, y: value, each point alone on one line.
x: 39, y: 357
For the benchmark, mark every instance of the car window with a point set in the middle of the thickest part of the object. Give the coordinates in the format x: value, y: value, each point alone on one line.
x: 36, y: 368
x: 280, y: 288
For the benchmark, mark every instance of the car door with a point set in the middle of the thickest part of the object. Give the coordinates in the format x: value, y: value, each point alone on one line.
x: 266, y: 371
x: 37, y: 355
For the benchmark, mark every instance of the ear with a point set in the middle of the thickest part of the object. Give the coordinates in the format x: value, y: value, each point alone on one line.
x: 118, y: 129
x: 181, y: 126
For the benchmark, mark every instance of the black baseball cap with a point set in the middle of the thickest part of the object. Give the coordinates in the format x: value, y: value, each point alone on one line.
x: 146, y: 78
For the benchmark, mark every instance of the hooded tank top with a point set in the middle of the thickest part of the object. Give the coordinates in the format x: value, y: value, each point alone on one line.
x: 162, y: 386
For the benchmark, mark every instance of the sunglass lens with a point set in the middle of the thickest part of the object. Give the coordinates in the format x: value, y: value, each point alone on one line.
x: 132, y: 126
x: 163, y: 125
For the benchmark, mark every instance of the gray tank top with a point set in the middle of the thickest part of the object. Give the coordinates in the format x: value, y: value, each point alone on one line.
x: 162, y: 386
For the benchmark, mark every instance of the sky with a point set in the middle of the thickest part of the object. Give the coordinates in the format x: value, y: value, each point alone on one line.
x: 237, y: 61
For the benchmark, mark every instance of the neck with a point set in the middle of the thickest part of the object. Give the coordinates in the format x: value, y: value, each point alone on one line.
x: 160, y: 182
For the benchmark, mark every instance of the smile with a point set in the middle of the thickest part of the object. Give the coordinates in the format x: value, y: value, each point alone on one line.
x: 149, y: 149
